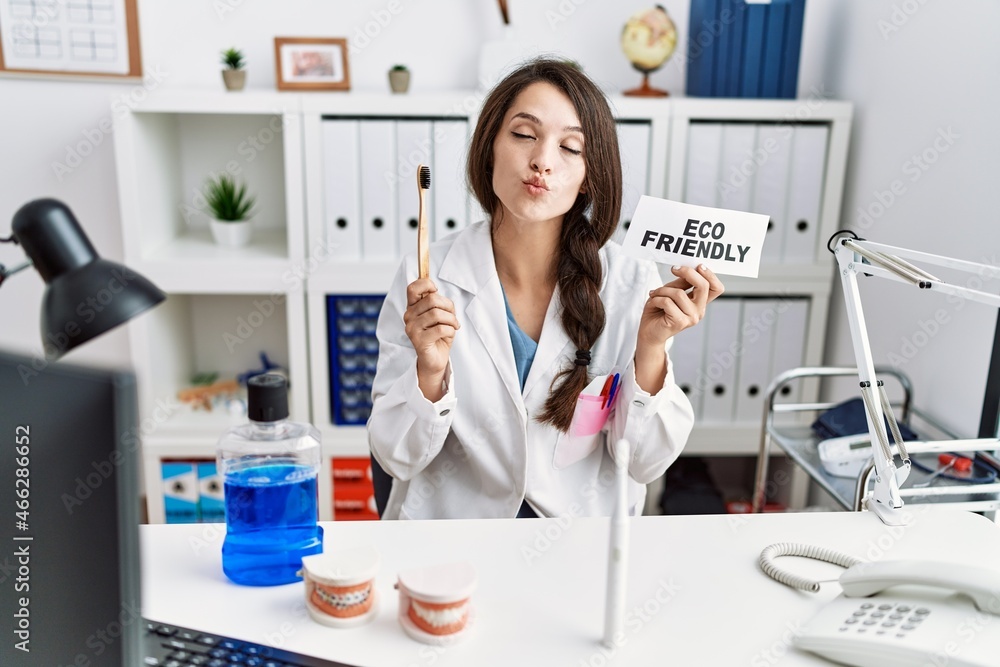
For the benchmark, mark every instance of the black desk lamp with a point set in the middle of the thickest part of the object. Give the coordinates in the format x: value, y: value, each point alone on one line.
x: 86, y: 295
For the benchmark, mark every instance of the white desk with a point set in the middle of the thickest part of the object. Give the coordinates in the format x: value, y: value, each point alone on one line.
x: 695, y: 592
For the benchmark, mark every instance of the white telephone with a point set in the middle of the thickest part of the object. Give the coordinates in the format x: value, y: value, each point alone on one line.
x: 900, y: 613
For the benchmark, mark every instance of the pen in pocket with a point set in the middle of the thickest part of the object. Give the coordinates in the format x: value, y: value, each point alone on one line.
x: 614, y: 389
x: 606, y: 390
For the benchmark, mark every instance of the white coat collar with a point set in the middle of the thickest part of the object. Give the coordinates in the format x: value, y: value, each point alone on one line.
x: 469, y: 265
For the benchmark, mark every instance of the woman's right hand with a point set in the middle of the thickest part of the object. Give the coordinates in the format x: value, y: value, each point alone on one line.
x: 430, y: 325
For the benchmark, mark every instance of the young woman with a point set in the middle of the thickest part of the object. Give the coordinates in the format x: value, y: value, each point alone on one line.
x: 481, y: 364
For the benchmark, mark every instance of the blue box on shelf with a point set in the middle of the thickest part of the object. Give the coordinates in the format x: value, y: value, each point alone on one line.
x: 211, y: 496
x: 744, y: 48
x: 351, y: 321
x: 180, y: 491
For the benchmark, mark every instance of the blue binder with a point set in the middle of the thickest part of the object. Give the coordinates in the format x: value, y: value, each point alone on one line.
x: 737, y: 34
x: 753, y: 43
x: 793, y: 41
x: 720, y: 77
x: 774, y: 49
x: 700, y: 58
x: 752, y: 49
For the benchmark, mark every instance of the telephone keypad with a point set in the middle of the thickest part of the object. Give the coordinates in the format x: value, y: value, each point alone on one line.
x: 886, y: 616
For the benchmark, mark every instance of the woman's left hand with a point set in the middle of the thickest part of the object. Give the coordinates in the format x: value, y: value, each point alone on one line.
x: 671, y: 308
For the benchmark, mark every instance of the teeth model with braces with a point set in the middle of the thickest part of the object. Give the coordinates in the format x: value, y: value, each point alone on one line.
x: 340, y: 589
x: 342, y: 602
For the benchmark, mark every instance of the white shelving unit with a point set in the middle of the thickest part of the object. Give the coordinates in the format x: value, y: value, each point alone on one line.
x: 168, y: 145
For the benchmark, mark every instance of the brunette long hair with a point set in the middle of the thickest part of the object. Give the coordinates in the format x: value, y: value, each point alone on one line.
x: 579, y: 266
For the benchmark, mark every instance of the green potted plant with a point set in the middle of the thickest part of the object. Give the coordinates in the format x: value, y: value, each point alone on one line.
x: 399, y: 78
x: 230, y: 208
x: 234, y: 76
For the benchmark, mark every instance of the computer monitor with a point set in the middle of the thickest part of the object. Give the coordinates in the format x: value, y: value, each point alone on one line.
x: 69, y: 561
x: 989, y: 422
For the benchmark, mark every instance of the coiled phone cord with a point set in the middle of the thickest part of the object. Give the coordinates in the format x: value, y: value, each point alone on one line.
x: 768, y: 555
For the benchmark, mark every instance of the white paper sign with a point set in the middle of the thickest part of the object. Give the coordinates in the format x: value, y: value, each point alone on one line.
x: 675, y: 233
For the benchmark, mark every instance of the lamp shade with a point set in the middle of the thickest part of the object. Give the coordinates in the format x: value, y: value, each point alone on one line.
x: 86, y: 295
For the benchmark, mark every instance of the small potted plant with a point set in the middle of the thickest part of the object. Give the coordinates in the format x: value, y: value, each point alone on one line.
x: 230, y: 207
x: 234, y: 76
x: 399, y: 78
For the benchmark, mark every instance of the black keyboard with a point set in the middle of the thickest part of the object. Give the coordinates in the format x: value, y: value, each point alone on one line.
x: 173, y: 646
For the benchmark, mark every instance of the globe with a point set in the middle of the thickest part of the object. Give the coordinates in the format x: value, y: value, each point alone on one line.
x: 648, y: 40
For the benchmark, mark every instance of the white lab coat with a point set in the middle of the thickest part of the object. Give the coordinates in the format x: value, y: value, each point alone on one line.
x: 479, y: 451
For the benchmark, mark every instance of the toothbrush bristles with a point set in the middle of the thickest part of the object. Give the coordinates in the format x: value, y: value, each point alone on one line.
x: 425, y: 178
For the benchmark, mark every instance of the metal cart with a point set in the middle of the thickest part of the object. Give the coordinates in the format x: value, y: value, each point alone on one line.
x: 788, y: 426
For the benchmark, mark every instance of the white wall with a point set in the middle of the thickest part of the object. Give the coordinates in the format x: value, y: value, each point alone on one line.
x: 39, y: 122
x: 937, y: 71
x: 934, y: 76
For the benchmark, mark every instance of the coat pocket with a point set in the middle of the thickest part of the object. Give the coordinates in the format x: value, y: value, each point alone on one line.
x: 585, y: 433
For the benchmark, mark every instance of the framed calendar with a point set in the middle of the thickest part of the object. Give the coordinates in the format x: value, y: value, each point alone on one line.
x: 70, y: 38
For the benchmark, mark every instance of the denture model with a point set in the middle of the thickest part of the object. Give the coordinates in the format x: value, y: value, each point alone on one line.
x: 435, y: 605
x: 340, y: 586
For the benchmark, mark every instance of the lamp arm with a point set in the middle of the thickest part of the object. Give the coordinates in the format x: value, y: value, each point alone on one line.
x: 885, y: 265
x: 856, y: 255
x: 6, y: 273
x: 886, y: 499
x: 985, y: 270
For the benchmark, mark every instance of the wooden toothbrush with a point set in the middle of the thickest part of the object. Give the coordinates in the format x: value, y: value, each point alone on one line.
x: 423, y: 234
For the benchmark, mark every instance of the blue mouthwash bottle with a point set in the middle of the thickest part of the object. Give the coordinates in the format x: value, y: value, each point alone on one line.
x: 269, y: 468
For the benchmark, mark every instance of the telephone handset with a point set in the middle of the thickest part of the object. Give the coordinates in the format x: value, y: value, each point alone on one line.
x: 899, y: 613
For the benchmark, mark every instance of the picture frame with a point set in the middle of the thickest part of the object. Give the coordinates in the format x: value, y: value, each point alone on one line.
x: 311, y: 63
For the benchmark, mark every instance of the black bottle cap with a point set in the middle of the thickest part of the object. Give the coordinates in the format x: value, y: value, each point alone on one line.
x: 267, y: 396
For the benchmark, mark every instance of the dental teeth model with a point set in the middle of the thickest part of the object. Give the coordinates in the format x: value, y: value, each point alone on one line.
x: 435, y: 602
x: 340, y: 586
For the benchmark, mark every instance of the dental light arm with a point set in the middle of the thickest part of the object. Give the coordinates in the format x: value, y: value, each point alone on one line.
x: 856, y: 255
